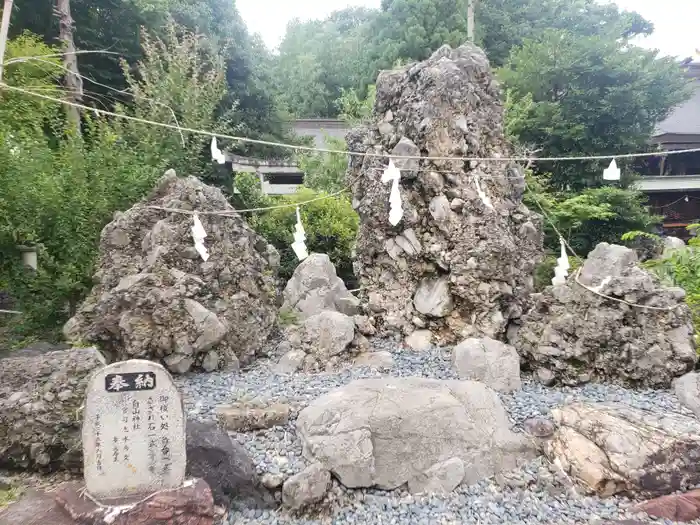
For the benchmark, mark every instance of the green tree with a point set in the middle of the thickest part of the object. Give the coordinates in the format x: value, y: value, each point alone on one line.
x: 573, y: 95
x: 58, y: 190
x: 325, y: 171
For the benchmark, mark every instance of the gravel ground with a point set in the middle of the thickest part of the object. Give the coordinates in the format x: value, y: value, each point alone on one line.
x: 536, y: 493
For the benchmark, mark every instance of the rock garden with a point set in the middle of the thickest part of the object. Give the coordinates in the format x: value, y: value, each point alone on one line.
x: 444, y: 391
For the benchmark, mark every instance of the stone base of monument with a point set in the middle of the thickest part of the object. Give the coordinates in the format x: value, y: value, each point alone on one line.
x: 191, y: 504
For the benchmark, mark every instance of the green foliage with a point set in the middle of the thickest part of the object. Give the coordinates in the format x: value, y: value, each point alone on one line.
x: 288, y: 317
x: 325, y: 171
x: 682, y: 268
x: 321, y: 58
x: 355, y: 109
x: 330, y: 224
x: 570, y: 94
x: 58, y: 193
x: 593, y: 216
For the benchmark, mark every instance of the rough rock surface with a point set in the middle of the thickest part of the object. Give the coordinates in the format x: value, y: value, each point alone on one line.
x: 315, y: 287
x: 687, y: 389
x: 453, y: 264
x: 35, y: 507
x: 441, y: 478
x: 226, y: 467
x: 385, y: 432
x: 243, y: 417
x: 577, y: 336
x: 192, y: 504
x: 157, y: 299
x: 327, y: 334
x: 495, y: 364
x: 307, y: 487
x: 675, y: 507
x: 40, y: 398
x: 617, y: 449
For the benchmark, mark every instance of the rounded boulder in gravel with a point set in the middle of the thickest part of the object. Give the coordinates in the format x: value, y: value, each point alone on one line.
x: 385, y: 432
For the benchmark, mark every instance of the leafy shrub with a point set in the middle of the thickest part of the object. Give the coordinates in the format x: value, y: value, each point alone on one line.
x: 682, y: 268
x: 330, y: 224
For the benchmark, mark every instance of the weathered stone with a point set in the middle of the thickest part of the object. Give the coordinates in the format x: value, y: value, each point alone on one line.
x: 290, y: 362
x: 190, y: 504
x: 315, y: 287
x: 379, y: 360
x: 240, y: 417
x: 272, y: 481
x: 35, y: 508
x: 420, y: 340
x: 495, y: 364
x: 446, y: 106
x: 687, y: 389
x: 546, y: 376
x: 613, y: 449
x: 385, y: 431
x: 579, y: 336
x: 441, y: 478
x: 133, y: 431
x: 364, y: 325
x: 39, y: 422
x: 210, y: 361
x: 433, y: 297
x: 307, y: 487
x: 226, y: 467
x: 539, y: 427
x: 327, y: 334
x: 675, y: 507
x: 156, y: 298
x: 672, y: 243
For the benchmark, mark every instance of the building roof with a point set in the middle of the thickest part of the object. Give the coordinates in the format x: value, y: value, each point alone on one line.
x: 685, y: 119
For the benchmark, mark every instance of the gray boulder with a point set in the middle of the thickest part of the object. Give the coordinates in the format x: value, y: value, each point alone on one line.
x: 441, y: 478
x: 41, y: 396
x: 385, y: 432
x: 454, y: 261
x: 495, y: 364
x: 307, y: 487
x: 327, y: 334
x: 615, y: 449
x: 687, y: 389
x: 226, y: 467
x: 155, y: 297
x: 315, y: 287
x: 574, y: 335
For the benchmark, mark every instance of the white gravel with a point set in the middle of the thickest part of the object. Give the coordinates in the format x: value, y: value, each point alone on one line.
x: 536, y: 493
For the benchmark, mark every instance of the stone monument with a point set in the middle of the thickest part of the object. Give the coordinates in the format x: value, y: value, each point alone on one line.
x: 133, y: 431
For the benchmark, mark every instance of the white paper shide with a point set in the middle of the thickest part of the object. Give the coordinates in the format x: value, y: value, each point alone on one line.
x: 298, y: 245
x: 482, y: 195
x: 216, y: 153
x: 198, y: 234
x: 612, y: 172
x: 393, y: 174
x: 562, y: 269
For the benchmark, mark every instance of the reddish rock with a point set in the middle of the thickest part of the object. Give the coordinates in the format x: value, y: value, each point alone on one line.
x: 676, y: 507
x: 192, y: 504
x: 34, y: 508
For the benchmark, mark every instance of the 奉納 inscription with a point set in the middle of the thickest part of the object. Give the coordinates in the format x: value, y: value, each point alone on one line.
x: 129, y: 382
x: 133, y: 431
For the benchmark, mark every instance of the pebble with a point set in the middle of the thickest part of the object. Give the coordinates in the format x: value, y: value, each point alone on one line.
x: 535, y: 494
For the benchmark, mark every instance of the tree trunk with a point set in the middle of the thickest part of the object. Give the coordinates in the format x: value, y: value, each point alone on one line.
x: 71, y: 79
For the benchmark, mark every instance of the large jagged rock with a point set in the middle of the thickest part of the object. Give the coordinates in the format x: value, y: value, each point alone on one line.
x: 452, y: 264
x: 315, y: 287
x: 155, y: 298
x: 40, y: 400
x: 386, y: 432
x: 616, y: 449
x: 574, y: 335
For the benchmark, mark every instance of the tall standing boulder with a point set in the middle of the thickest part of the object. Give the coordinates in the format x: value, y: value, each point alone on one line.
x: 575, y: 334
x: 457, y: 264
x: 155, y: 297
